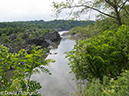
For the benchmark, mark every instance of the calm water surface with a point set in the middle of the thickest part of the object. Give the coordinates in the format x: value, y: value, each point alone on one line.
x: 60, y: 83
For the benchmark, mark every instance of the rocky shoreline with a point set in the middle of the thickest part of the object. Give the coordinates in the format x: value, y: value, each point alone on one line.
x: 72, y: 36
x: 46, y: 41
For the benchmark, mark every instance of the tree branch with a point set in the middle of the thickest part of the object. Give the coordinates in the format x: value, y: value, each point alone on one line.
x: 93, y: 9
x: 123, y: 5
x: 110, y: 3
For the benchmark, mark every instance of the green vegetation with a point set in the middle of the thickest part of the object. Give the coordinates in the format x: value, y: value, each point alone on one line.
x: 14, y: 34
x: 23, y: 64
x: 102, y: 55
x: 85, y: 32
x: 16, y: 69
x: 56, y: 24
x: 16, y: 40
x: 115, y: 9
x: 119, y: 87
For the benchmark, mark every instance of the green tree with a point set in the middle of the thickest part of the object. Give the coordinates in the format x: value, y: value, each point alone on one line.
x: 104, y: 7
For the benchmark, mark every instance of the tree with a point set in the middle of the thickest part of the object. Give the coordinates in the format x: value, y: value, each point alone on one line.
x: 104, y: 7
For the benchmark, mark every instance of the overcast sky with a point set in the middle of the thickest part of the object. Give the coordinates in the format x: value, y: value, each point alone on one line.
x: 25, y: 10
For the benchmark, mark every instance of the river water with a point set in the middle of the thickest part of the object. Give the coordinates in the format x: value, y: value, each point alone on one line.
x: 60, y: 83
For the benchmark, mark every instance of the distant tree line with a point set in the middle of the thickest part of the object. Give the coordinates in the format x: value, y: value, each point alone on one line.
x: 55, y: 24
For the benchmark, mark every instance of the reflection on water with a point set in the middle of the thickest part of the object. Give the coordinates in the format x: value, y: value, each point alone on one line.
x: 60, y: 83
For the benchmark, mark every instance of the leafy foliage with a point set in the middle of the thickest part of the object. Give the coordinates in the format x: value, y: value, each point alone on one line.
x: 106, y: 8
x: 110, y: 87
x: 93, y: 29
x: 15, y: 27
x: 24, y: 66
x: 84, y: 31
x: 103, y: 55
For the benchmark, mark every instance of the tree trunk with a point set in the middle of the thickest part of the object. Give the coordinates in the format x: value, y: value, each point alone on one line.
x: 115, y: 6
x: 118, y: 18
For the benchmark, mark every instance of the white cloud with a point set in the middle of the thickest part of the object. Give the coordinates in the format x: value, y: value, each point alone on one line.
x: 13, y: 10
x: 18, y: 10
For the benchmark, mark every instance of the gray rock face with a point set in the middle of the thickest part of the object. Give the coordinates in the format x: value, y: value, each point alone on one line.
x: 53, y: 36
x: 39, y: 41
x: 49, y: 42
x: 48, y: 39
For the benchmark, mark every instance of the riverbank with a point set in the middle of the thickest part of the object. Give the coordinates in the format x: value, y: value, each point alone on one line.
x: 74, y: 36
x: 16, y: 42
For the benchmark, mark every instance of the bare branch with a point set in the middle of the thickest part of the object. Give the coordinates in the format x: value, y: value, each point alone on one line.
x: 70, y: 13
x: 115, y: 5
x: 94, y: 9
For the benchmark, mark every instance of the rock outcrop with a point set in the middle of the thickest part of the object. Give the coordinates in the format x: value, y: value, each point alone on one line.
x: 52, y: 36
x: 38, y: 41
x: 48, y: 39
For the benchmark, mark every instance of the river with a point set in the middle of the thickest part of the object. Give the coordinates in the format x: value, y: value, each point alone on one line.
x: 60, y: 83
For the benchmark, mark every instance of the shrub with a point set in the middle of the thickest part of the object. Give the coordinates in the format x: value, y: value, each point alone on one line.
x: 20, y: 84
x: 103, y: 55
x: 110, y: 87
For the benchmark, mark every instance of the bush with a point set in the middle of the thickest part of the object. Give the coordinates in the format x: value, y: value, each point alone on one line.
x: 103, y: 55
